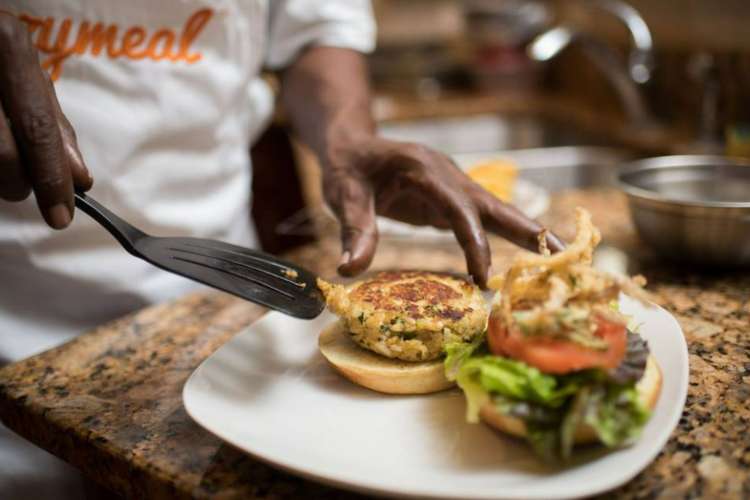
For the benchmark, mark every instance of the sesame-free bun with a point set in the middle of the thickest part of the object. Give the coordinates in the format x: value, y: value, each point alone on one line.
x: 376, y: 372
x: 648, y: 388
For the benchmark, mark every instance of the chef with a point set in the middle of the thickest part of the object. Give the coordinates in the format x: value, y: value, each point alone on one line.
x: 152, y: 106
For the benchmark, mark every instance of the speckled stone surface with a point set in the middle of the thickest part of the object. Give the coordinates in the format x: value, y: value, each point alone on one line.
x: 110, y: 401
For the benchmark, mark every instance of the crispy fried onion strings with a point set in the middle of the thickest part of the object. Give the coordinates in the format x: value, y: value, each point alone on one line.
x: 542, y: 284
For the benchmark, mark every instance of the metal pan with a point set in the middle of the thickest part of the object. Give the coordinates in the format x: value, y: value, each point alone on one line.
x: 692, y: 208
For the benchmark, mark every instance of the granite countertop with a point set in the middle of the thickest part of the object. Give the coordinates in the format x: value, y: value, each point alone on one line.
x: 110, y: 401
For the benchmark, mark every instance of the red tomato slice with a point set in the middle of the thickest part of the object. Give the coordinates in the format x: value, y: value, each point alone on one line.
x: 557, y: 356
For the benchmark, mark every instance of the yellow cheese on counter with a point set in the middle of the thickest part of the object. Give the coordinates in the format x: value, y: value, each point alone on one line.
x: 496, y: 176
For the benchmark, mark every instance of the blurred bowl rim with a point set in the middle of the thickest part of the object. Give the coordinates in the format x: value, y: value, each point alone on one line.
x: 678, y: 161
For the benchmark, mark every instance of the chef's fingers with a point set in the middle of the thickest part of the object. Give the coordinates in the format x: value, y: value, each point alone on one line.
x: 466, y: 224
x: 31, y: 111
x: 554, y: 243
x: 81, y: 175
x: 13, y: 183
x: 507, y: 221
x: 352, y: 201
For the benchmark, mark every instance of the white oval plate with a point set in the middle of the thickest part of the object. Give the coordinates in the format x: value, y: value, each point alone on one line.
x: 270, y: 393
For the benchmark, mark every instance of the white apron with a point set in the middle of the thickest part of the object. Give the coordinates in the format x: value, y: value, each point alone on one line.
x: 165, y: 99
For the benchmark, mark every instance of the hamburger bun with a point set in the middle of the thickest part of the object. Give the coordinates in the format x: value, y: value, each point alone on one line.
x: 376, y: 372
x: 649, y: 388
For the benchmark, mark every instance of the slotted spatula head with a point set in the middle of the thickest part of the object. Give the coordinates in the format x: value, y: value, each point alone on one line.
x: 252, y: 275
x: 249, y: 274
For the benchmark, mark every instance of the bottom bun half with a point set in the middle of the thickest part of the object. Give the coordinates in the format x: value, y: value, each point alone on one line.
x: 376, y: 372
x: 648, y: 388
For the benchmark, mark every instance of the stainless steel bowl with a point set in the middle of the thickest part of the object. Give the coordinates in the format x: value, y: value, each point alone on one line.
x: 692, y: 208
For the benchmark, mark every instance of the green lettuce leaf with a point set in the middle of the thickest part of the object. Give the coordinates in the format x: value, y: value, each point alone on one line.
x: 456, y: 353
x: 616, y: 413
x: 529, y: 412
x: 482, y: 376
x: 476, y: 395
x: 517, y: 380
x: 545, y: 441
x: 551, y: 406
x: 573, y: 417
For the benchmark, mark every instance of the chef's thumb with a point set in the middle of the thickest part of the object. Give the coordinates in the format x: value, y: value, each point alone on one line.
x: 352, y: 201
x: 82, y: 179
x: 359, y: 238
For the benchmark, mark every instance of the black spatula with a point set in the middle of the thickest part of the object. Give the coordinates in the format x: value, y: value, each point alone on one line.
x: 249, y: 274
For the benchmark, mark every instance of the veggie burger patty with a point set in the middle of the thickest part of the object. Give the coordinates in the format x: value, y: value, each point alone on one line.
x: 408, y: 315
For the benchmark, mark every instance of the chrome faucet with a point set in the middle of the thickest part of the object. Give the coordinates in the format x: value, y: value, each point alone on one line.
x: 625, y: 80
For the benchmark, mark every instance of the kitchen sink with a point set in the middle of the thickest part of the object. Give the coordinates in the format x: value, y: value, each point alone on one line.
x: 492, y: 132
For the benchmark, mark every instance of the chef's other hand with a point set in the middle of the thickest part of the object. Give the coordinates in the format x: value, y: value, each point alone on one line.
x: 414, y: 184
x: 38, y: 147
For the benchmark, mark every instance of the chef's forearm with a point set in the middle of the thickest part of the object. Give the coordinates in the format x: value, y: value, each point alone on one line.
x: 327, y: 95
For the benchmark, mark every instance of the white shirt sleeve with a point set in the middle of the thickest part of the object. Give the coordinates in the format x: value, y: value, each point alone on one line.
x: 295, y: 24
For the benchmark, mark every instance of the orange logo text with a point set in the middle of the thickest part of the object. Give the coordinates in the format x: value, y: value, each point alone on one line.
x: 97, y: 38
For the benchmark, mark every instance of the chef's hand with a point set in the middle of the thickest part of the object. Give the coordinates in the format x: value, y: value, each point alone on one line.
x: 327, y: 96
x: 38, y: 147
x: 414, y: 184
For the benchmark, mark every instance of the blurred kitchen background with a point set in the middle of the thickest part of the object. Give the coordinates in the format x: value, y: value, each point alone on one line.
x: 555, y: 93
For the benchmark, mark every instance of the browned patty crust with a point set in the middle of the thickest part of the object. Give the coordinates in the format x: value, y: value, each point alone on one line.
x: 408, y: 315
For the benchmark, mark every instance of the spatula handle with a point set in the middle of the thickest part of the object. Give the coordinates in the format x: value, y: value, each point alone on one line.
x: 125, y: 233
